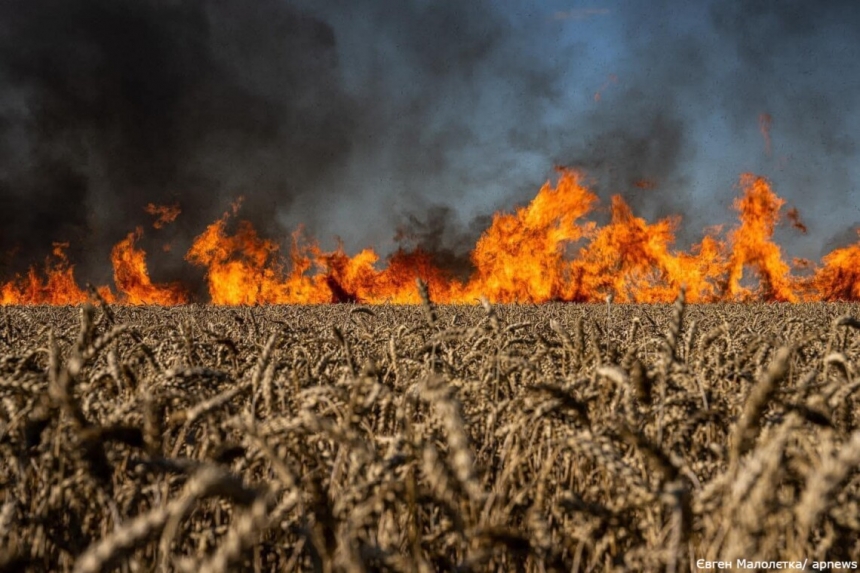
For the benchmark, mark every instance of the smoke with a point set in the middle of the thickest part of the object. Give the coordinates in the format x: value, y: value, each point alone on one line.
x: 799, y: 62
x: 455, y: 99
x: 339, y: 117
x: 842, y: 238
x: 642, y: 158
x: 439, y: 232
x: 694, y: 79
x: 639, y: 137
x: 110, y: 105
x: 405, y: 122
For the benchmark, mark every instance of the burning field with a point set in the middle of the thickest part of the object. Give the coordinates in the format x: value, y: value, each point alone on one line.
x: 546, y: 251
x: 281, y: 290
x: 428, y: 438
x: 204, y: 152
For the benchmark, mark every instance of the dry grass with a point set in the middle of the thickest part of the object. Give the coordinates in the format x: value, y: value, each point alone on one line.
x: 429, y: 438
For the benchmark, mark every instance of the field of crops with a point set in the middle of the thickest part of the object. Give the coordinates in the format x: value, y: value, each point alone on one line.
x: 423, y: 438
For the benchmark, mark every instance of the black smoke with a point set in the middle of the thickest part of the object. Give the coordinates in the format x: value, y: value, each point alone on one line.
x: 405, y: 122
x: 439, y: 232
x: 335, y: 115
x: 110, y: 105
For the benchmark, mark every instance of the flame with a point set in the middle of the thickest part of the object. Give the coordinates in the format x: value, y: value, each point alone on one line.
x: 521, y: 257
x: 794, y: 217
x: 839, y: 277
x: 166, y: 213
x: 132, y: 279
x: 635, y: 262
x: 752, y: 244
x: 56, y: 287
x: 547, y: 250
x: 241, y: 268
x: 357, y: 279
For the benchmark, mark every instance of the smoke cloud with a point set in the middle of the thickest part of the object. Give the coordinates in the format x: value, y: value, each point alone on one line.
x: 110, y: 105
x: 337, y: 118
x: 695, y: 79
x: 406, y: 122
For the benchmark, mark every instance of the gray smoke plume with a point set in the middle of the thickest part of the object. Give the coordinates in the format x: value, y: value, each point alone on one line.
x: 682, y: 120
x: 333, y: 115
x: 362, y: 118
x: 800, y: 62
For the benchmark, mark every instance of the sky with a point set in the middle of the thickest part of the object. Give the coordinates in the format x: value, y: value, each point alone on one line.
x: 409, y: 122
x: 666, y: 91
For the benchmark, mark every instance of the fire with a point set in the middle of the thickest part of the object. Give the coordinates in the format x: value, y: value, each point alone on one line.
x: 166, y: 213
x: 357, y: 279
x: 794, y: 217
x: 839, y: 278
x: 241, y: 268
x: 548, y: 250
x: 521, y: 257
x: 752, y: 244
x: 57, y: 287
x: 635, y: 262
x: 132, y: 279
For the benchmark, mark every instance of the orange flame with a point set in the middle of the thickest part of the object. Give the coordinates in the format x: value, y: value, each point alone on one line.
x: 132, y: 279
x: 58, y: 287
x: 752, y: 244
x: 634, y: 262
x: 241, y: 268
x: 545, y: 251
x: 839, y: 277
x: 521, y: 257
x: 794, y: 217
x: 165, y: 213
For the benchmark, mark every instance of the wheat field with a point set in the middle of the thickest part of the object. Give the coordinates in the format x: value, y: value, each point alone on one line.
x: 350, y: 438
